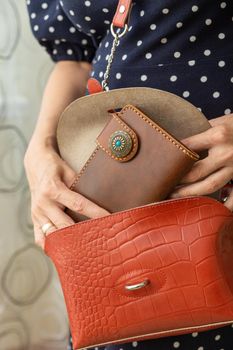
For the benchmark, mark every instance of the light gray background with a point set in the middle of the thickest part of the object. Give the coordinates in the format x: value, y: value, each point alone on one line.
x: 32, y: 309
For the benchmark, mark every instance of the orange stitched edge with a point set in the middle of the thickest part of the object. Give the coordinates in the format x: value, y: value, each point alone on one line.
x: 83, y: 168
x: 187, y: 151
x: 131, y: 132
x: 150, y: 206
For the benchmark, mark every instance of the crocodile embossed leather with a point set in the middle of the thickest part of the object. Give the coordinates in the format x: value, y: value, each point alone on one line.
x: 157, y: 270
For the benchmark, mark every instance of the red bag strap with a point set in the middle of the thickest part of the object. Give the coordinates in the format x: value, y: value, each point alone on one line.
x: 122, y: 13
x: 120, y: 20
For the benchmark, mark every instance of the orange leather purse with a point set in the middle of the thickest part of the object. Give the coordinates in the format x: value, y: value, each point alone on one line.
x: 152, y: 271
x: 148, y: 272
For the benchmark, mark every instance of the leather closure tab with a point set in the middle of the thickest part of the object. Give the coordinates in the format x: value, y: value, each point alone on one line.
x: 118, y: 140
x: 122, y: 13
x: 131, y: 111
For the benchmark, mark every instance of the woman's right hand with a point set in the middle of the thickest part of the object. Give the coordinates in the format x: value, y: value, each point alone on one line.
x: 49, y: 180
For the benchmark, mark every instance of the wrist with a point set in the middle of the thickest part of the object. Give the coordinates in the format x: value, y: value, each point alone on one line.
x: 40, y: 146
x: 44, y: 141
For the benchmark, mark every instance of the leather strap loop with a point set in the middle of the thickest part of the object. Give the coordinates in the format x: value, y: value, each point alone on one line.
x: 117, y: 129
x: 122, y: 13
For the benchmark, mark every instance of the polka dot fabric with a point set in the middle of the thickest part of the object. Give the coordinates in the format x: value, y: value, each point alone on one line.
x: 55, y: 30
x: 219, y: 339
x: 185, y: 47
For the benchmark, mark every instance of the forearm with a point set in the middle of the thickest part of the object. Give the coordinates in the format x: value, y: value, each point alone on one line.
x: 66, y: 83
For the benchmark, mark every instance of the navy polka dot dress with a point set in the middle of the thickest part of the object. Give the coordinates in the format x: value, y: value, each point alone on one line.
x: 185, y: 47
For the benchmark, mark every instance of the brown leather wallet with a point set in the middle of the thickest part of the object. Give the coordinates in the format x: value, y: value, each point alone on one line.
x: 136, y: 162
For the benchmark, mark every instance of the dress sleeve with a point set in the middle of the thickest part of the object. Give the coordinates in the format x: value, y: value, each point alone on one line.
x: 53, y: 30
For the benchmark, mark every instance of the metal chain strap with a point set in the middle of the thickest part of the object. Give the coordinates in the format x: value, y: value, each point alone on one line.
x: 115, y: 43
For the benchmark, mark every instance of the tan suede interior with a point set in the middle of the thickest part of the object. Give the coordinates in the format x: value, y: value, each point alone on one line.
x: 84, y: 119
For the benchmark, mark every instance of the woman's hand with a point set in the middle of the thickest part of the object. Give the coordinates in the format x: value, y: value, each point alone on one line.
x: 49, y: 180
x: 216, y: 170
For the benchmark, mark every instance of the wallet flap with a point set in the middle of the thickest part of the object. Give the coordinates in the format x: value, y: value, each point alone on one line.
x: 134, y: 116
x: 118, y: 140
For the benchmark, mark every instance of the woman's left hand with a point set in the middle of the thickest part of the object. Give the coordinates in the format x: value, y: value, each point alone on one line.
x: 216, y: 170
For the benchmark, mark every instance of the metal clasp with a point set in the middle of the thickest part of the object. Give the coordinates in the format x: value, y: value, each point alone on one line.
x: 137, y: 285
x: 119, y: 35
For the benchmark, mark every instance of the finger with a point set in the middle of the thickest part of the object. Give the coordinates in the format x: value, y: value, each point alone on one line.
x: 207, y: 186
x: 229, y: 201
x: 202, y: 168
x: 40, y: 219
x: 69, y: 175
x: 39, y: 237
x: 200, y: 141
x: 57, y: 216
x: 217, y: 135
x: 220, y: 120
x: 79, y: 203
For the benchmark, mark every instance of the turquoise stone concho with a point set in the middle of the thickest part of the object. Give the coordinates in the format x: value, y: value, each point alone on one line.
x: 120, y: 144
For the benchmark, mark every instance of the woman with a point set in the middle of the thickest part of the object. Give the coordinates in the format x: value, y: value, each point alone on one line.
x: 185, y: 47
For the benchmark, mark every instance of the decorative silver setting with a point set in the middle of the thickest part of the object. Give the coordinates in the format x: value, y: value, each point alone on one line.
x: 120, y: 144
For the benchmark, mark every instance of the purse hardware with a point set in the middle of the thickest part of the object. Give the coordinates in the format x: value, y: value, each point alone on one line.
x: 137, y: 286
